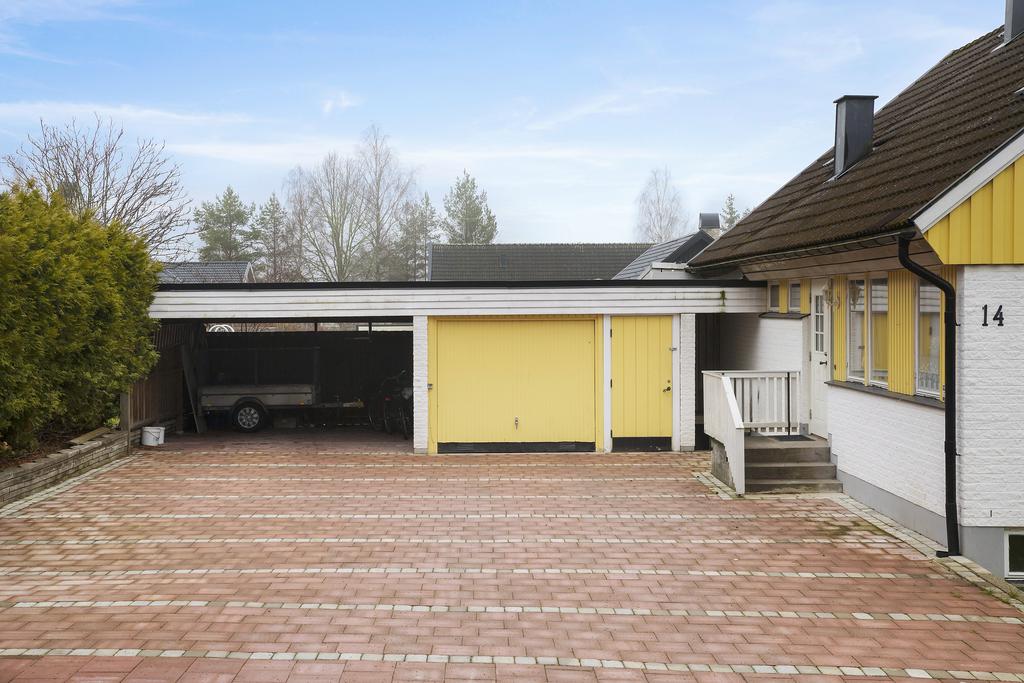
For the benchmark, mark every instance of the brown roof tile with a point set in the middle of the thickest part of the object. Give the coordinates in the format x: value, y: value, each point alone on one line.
x: 925, y: 139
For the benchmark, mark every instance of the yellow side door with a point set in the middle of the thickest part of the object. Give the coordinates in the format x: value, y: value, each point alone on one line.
x: 515, y: 381
x: 642, y: 378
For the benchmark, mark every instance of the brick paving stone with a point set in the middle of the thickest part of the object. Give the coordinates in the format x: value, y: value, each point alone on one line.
x: 320, y: 557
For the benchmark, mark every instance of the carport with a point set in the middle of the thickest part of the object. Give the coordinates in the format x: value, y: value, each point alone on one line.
x: 498, y: 366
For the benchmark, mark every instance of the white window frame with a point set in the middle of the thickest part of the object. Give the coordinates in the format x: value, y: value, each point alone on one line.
x: 917, y: 344
x: 1006, y: 553
x: 778, y: 288
x: 868, y: 358
x: 799, y: 292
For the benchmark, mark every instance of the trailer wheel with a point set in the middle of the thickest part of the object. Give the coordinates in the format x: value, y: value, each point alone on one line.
x: 248, y: 417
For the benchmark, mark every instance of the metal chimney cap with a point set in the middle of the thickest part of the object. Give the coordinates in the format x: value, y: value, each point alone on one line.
x: 855, y: 97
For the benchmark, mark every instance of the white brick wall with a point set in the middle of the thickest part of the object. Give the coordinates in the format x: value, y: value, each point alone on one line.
x: 895, y: 445
x: 686, y: 383
x: 419, y: 383
x: 990, y: 393
x: 753, y: 343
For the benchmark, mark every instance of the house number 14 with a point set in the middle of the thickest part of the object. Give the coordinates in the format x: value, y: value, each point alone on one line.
x: 997, y: 316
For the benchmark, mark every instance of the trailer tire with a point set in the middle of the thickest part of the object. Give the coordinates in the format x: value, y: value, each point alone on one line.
x: 248, y: 416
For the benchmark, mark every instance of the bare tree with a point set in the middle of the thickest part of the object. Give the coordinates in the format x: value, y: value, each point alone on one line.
x: 660, y: 213
x: 95, y: 169
x: 325, y: 204
x: 386, y: 187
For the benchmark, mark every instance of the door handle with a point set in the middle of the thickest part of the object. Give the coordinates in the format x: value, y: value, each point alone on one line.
x: 822, y: 362
x: 668, y: 388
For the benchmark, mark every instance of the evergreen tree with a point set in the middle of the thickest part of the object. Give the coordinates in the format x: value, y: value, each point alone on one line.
x: 418, y: 227
x: 224, y: 229
x: 278, y: 244
x: 730, y: 214
x: 468, y: 219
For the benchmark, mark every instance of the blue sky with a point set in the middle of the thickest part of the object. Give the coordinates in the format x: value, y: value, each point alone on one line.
x: 559, y: 109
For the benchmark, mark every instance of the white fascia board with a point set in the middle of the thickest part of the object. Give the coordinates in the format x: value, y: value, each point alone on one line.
x: 971, y: 182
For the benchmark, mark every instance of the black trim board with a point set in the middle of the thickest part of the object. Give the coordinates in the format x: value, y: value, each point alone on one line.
x: 641, y: 443
x: 454, y: 284
x: 517, y: 447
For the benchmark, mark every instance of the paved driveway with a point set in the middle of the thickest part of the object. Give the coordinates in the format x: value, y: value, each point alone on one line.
x: 276, y: 558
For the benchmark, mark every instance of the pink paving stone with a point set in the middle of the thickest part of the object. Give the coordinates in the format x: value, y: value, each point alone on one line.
x: 339, y: 490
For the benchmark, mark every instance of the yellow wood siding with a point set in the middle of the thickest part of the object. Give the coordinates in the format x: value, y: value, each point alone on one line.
x: 641, y: 371
x: 783, y: 296
x: 988, y: 227
x: 839, y: 328
x: 805, y: 296
x: 485, y: 373
x: 900, y: 338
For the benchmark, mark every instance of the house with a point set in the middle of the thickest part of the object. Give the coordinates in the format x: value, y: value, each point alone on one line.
x: 895, y: 285
x: 668, y: 259
x: 198, y: 272
x: 517, y: 262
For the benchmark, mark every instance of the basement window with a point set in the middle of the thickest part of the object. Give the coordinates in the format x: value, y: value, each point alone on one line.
x: 1015, y: 554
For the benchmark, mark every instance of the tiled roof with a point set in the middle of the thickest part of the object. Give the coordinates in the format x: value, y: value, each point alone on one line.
x: 925, y: 139
x: 204, y: 272
x: 679, y: 250
x: 530, y: 261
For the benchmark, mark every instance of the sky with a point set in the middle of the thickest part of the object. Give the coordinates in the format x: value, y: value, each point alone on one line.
x: 559, y: 109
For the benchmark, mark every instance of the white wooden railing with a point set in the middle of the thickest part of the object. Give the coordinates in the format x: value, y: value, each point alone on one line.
x: 739, y: 402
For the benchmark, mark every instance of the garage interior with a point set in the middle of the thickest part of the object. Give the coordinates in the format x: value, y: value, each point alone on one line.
x: 352, y: 378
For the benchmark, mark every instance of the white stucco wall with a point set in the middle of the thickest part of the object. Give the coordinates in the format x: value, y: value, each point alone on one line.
x: 686, y: 382
x: 892, y: 444
x: 990, y: 394
x: 419, y: 384
x: 753, y: 343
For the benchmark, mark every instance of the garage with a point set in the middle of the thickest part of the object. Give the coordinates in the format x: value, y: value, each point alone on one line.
x: 596, y: 365
x: 520, y: 384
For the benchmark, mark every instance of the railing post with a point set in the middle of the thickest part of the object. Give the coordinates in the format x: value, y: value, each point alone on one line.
x: 789, y: 408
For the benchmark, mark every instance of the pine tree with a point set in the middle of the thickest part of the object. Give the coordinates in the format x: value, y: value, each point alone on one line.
x: 730, y: 214
x: 468, y: 219
x: 279, y: 246
x: 224, y: 229
x: 418, y: 228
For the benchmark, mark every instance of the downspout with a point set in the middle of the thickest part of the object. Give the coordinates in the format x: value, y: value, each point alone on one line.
x: 949, y: 339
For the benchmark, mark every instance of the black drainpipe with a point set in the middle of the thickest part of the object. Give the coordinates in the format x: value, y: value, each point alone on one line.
x: 949, y: 339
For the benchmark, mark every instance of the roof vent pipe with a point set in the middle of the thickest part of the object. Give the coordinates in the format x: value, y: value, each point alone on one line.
x: 1014, y: 20
x: 855, y: 126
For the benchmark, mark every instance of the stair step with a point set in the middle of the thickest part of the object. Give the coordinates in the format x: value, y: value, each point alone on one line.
x: 765, y: 455
x: 790, y: 470
x: 794, y: 486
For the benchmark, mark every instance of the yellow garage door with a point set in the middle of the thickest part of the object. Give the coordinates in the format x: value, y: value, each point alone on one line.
x: 513, y: 384
x: 642, y: 382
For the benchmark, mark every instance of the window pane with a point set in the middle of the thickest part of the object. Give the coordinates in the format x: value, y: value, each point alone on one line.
x: 929, y: 335
x: 819, y: 323
x: 794, y: 298
x: 880, y: 330
x: 773, y: 296
x: 1016, y: 553
x: 855, y: 330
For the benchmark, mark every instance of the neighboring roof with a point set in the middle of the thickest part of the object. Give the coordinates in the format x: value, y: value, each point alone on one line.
x: 511, y: 262
x: 925, y: 139
x: 679, y: 250
x: 205, y: 272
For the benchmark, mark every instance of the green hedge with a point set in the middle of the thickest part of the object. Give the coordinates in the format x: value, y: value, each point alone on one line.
x: 74, y: 327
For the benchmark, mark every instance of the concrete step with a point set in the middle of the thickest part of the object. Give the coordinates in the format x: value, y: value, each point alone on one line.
x: 790, y: 470
x: 796, y: 454
x: 794, y: 486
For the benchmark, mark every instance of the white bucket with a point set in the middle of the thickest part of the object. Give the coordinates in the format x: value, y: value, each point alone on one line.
x: 152, y: 436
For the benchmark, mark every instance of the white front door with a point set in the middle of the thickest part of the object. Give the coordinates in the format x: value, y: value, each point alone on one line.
x: 821, y: 328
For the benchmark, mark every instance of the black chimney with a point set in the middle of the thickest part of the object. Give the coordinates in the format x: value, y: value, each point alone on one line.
x: 1014, y: 20
x: 855, y: 125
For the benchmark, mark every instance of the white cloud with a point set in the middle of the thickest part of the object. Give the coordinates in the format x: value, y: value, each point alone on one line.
x: 52, y: 111
x: 339, y: 102
x: 617, y: 102
x: 15, y: 13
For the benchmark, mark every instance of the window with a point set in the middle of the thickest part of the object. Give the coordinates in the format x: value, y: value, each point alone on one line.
x: 879, y: 330
x: 856, y: 337
x: 1015, y: 554
x: 773, y: 297
x: 794, y: 297
x: 819, y: 323
x: 929, y: 336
